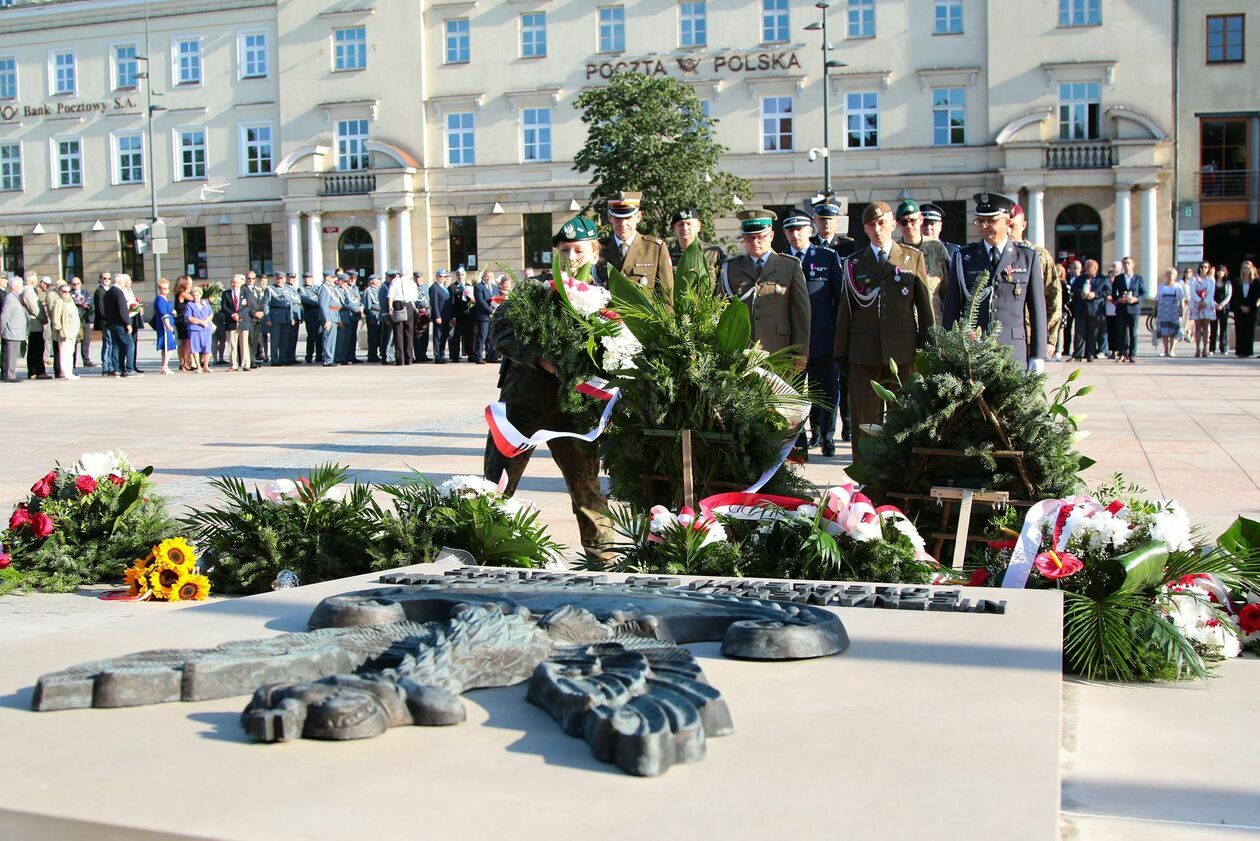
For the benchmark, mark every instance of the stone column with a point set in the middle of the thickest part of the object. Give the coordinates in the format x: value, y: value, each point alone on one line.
x: 1149, y: 266
x: 381, y: 249
x: 315, y: 233
x: 1124, y: 224
x: 295, y: 243
x: 1036, y: 232
x: 405, y: 263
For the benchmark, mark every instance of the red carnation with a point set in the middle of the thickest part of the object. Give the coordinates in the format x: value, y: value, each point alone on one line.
x: 1115, y: 506
x: 85, y: 484
x: 41, y: 525
x: 5, y: 560
x: 19, y: 518
x: 1056, y: 565
x: 115, y: 479
x: 979, y: 578
x: 1249, y: 618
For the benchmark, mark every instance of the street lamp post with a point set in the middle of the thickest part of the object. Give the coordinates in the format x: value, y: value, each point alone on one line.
x: 149, y: 110
x: 828, y: 65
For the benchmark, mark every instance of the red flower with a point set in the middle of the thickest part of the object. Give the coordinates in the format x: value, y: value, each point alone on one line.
x: 41, y: 525
x: 44, y: 487
x: 115, y: 479
x: 1001, y: 544
x: 85, y: 484
x: 19, y: 518
x: 979, y: 578
x: 1056, y: 565
x: 609, y: 315
x: 5, y: 560
x: 1114, y: 506
x: 1249, y: 618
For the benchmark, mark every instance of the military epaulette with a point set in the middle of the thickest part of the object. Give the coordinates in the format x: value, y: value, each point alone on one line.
x: 653, y: 239
x: 910, y: 247
x: 1028, y: 245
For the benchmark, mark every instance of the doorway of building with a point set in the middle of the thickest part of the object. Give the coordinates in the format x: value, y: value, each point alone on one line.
x: 354, y: 251
x: 1230, y: 243
x: 1078, y: 234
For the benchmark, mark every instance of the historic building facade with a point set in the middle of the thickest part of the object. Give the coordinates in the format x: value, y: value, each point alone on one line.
x: 380, y: 134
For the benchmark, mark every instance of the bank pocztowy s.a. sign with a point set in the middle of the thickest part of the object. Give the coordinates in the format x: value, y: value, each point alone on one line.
x: 14, y: 112
x: 722, y: 64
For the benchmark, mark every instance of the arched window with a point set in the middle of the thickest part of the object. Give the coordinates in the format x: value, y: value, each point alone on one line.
x: 354, y: 251
x: 1078, y: 234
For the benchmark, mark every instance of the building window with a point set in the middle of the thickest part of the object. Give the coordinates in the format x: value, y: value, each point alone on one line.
x: 460, y: 147
x: 187, y: 61
x: 126, y: 67
x: 861, y: 117
x: 259, y: 237
x: 129, y: 158
x: 534, y: 35
x: 458, y: 43
x: 949, y: 116
x: 10, y: 167
x: 256, y: 149
x: 1223, y: 158
x: 612, y: 29
x: 1080, y: 12
x: 776, y: 124
x: 130, y: 260
x: 538, y: 240
x: 536, y: 138
x: 72, y: 255
x: 774, y: 21
x: 351, y: 137
x: 192, y: 154
x: 1224, y: 39
x: 693, y: 25
x: 350, y: 48
x: 69, y: 161
x: 861, y: 19
x: 948, y: 18
x: 1080, y: 107
x: 12, y: 257
x: 8, y: 77
x: 63, y: 73
x: 196, y: 264
x: 253, y: 58
x: 463, y: 242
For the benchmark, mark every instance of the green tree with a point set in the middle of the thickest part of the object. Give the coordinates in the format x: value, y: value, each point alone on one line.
x: 650, y: 134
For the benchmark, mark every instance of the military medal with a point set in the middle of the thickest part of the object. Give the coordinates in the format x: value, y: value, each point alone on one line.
x: 905, y: 290
x: 1016, y: 290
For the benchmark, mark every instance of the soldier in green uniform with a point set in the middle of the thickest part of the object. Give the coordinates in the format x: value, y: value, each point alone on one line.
x: 884, y: 314
x: 642, y: 258
x: 1049, y: 280
x: 772, y: 285
x: 686, y: 224
x: 530, y: 390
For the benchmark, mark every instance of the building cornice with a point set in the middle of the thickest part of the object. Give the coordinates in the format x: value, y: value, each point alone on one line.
x: 79, y: 13
x: 1054, y: 69
x: 929, y: 74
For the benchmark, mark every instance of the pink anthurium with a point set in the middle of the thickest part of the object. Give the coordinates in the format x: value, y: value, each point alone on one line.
x: 1056, y: 565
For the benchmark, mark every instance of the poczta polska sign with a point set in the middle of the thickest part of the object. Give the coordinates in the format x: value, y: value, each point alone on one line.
x: 13, y: 113
x: 727, y: 63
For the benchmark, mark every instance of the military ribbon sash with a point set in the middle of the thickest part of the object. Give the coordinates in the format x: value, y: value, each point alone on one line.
x: 511, y: 442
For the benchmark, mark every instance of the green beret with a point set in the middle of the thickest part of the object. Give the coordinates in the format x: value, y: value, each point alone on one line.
x: 577, y: 229
x: 907, y: 207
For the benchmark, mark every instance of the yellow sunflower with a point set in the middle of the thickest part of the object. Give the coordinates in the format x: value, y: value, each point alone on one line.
x: 164, y: 577
x: 136, y: 577
x: 191, y: 587
x: 177, y: 551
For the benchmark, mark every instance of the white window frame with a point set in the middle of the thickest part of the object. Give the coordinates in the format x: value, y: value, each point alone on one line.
x: 538, y: 31
x: 952, y: 12
x: 177, y: 68
x: 361, y: 155
x: 16, y: 82
x: 464, y: 132
x: 539, y: 141
x: 115, y: 79
x: 243, y: 54
x: 863, y: 111
x: 459, y: 39
x: 115, y: 157
x: 695, y: 13
x: 776, y: 22
x: 772, y: 118
x: 55, y: 157
x: 948, y: 110
x: 1074, y: 13
x: 615, y: 30
x: 11, y: 168
x: 244, y: 145
x: 177, y: 136
x: 858, y: 15
x: 53, y: 55
x: 1076, y: 109
x: 359, y: 46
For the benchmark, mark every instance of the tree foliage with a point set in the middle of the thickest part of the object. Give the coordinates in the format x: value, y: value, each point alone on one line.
x: 650, y: 134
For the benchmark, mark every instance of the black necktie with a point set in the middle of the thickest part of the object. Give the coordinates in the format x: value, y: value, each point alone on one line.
x: 761, y: 264
x: 994, y: 257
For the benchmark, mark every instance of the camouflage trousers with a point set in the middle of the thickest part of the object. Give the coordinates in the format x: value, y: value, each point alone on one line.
x: 578, y: 463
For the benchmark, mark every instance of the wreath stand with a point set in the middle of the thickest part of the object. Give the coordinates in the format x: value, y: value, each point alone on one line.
x: 658, y: 486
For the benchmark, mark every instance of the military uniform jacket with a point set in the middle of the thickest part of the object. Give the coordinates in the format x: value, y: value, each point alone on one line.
x: 885, y: 311
x: 351, y: 304
x: 842, y: 245
x: 713, y: 256
x: 1015, y: 292
x: 309, y: 295
x: 825, y: 284
x: 778, y: 300
x: 522, y: 380
x: 646, y: 262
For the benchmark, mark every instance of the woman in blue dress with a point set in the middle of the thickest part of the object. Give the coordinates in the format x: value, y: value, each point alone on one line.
x: 164, y: 322
x: 200, y: 320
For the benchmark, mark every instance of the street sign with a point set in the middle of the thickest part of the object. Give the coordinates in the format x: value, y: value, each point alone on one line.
x: 329, y: 229
x: 160, y: 246
x: 1189, y: 254
x: 1190, y: 236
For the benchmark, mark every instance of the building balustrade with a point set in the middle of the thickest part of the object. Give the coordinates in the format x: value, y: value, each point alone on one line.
x: 1087, y: 155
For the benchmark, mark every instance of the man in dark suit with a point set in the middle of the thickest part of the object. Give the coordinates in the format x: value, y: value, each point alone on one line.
x: 1242, y: 303
x: 1127, y: 292
x: 643, y: 259
x: 827, y: 218
x: 442, y: 313
x: 823, y: 280
x: 885, y: 314
x: 771, y: 285
x: 99, y: 322
x: 483, y: 308
x: 1089, y: 295
x: 118, y: 323
x: 236, y: 323
x: 462, y: 330
x: 424, y: 317
x: 255, y: 317
x: 1013, y: 295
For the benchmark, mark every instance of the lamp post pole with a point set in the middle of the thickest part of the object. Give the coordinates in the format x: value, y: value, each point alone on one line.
x: 828, y: 65
x: 148, y: 90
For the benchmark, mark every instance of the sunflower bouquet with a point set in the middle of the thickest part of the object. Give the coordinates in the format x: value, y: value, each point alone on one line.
x: 169, y: 573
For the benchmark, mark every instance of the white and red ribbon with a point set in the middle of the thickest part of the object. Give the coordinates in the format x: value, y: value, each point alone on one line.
x: 1066, y: 513
x: 511, y: 442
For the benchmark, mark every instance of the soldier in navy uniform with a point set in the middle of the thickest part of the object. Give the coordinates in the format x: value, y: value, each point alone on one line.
x: 827, y: 218
x: 1014, y: 289
x: 933, y: 219
x: 313, y: 319
x: 821, y: 268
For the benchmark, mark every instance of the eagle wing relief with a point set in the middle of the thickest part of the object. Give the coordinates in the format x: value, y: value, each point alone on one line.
x: 604, y: 661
